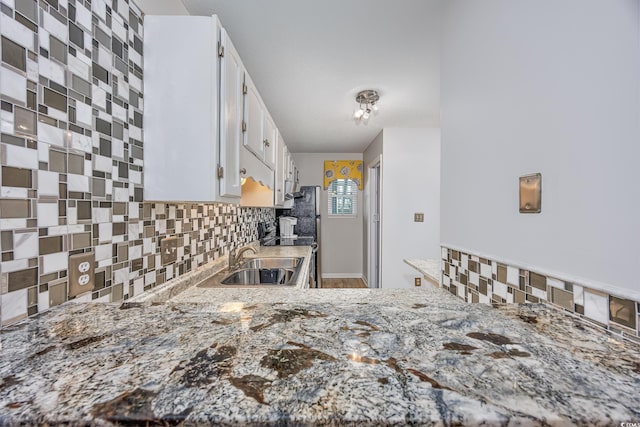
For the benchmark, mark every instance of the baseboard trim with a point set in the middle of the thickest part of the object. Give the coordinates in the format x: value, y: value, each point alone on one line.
x: 342, y: 275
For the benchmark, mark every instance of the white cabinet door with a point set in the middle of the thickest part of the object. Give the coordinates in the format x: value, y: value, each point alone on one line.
x: 280, y: 171
x: 290, y: 167
x: 231, y: 115
x: 269, y: 133
x: 253, y: 117
x: 181, y: 108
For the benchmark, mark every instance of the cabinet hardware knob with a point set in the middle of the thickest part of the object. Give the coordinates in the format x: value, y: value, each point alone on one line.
x: 266, y: 142
x: 243, y: 171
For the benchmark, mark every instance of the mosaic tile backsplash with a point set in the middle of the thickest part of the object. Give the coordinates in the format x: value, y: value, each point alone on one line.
x: 481, y: 280
x: 71, y: 153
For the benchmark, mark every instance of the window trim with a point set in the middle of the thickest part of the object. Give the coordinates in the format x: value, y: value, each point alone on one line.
x: 354, y: 199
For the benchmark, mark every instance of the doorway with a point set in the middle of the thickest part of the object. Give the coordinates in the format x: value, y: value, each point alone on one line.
x: 375, y: 223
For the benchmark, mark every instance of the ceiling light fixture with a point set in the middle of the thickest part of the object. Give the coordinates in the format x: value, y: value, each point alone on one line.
x: 368, y: 102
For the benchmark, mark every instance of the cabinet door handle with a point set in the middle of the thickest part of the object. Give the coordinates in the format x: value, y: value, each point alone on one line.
x: 243, y: 171
x: 266, y: 142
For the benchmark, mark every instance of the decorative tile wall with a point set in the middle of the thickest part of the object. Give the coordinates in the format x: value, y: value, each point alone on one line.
x: 71, y: 154
x: 480, y: 280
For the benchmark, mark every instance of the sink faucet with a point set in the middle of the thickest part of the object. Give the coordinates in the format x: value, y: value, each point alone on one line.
x: 234, y: 258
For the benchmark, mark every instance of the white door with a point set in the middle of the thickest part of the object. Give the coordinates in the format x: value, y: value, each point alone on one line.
x: 231, y: 112
x: 269, y: 133
x: 253, y: 117
x: 375, y: 226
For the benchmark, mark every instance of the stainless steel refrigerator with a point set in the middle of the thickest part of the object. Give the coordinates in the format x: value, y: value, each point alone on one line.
x: 306, y: 207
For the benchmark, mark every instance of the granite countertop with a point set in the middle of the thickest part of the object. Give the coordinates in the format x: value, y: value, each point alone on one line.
x: 315, y: 357
x: 430, y: 268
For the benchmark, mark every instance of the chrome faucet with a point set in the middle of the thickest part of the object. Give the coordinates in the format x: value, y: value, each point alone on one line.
x: 234, y: 258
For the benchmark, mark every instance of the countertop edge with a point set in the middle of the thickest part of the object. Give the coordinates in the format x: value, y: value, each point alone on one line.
x: 430, y: 268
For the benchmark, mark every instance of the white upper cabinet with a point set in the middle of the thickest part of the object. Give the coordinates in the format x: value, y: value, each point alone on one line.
x: 270, y: 141
x: 253, y: 118
x: 231, y: 116
x: 280, y: 171
x: 182, y: 156
x: 252, y: 167
x: 290, y: 166
x: 261, y: 133
x: 201, y: 109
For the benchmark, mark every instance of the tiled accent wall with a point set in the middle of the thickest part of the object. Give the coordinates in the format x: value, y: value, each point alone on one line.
x: 71, y: 154
x: 480, y: 280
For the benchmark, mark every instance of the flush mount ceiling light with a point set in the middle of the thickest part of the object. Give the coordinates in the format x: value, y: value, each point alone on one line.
x: 368, y: 102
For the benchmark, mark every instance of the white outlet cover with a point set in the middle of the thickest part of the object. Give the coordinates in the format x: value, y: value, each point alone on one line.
x: 84, y: 279
x: 84, y: 267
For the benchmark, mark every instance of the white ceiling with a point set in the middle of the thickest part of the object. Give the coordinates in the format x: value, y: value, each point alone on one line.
x: 309, y: 58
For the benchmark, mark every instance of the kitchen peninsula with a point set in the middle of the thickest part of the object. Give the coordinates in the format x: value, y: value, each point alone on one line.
x: 314, y: 357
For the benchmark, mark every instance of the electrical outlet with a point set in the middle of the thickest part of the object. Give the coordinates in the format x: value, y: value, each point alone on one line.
x: 81, y: 273
x: 418, y: 217
x: 169, y: 250
x: 418, y: 281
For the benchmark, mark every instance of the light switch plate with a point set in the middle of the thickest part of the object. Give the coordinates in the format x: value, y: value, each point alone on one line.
x: 81, y: 273
x: 531, y: 193
x: 169, y: 250
x: 418, y: 217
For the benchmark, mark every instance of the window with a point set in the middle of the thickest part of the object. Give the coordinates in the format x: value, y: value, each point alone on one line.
x: 343, y: 197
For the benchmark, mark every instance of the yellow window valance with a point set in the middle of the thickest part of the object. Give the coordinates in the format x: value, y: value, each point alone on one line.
x: 342, y: 169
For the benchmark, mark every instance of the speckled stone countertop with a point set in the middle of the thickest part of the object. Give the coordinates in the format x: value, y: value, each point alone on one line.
x: 315, y: 357
x: 430, y: 268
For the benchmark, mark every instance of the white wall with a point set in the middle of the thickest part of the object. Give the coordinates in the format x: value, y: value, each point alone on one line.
x: 341, y: 246
x: 410, y: 184
x: 550, y: 87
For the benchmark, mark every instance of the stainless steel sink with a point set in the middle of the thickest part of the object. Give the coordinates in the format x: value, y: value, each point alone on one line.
x: 274, y: 262
x: 260, y: 276
x: 259, y: 271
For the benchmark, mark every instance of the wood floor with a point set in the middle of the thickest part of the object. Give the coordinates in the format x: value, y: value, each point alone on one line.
x: 342, y: 283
